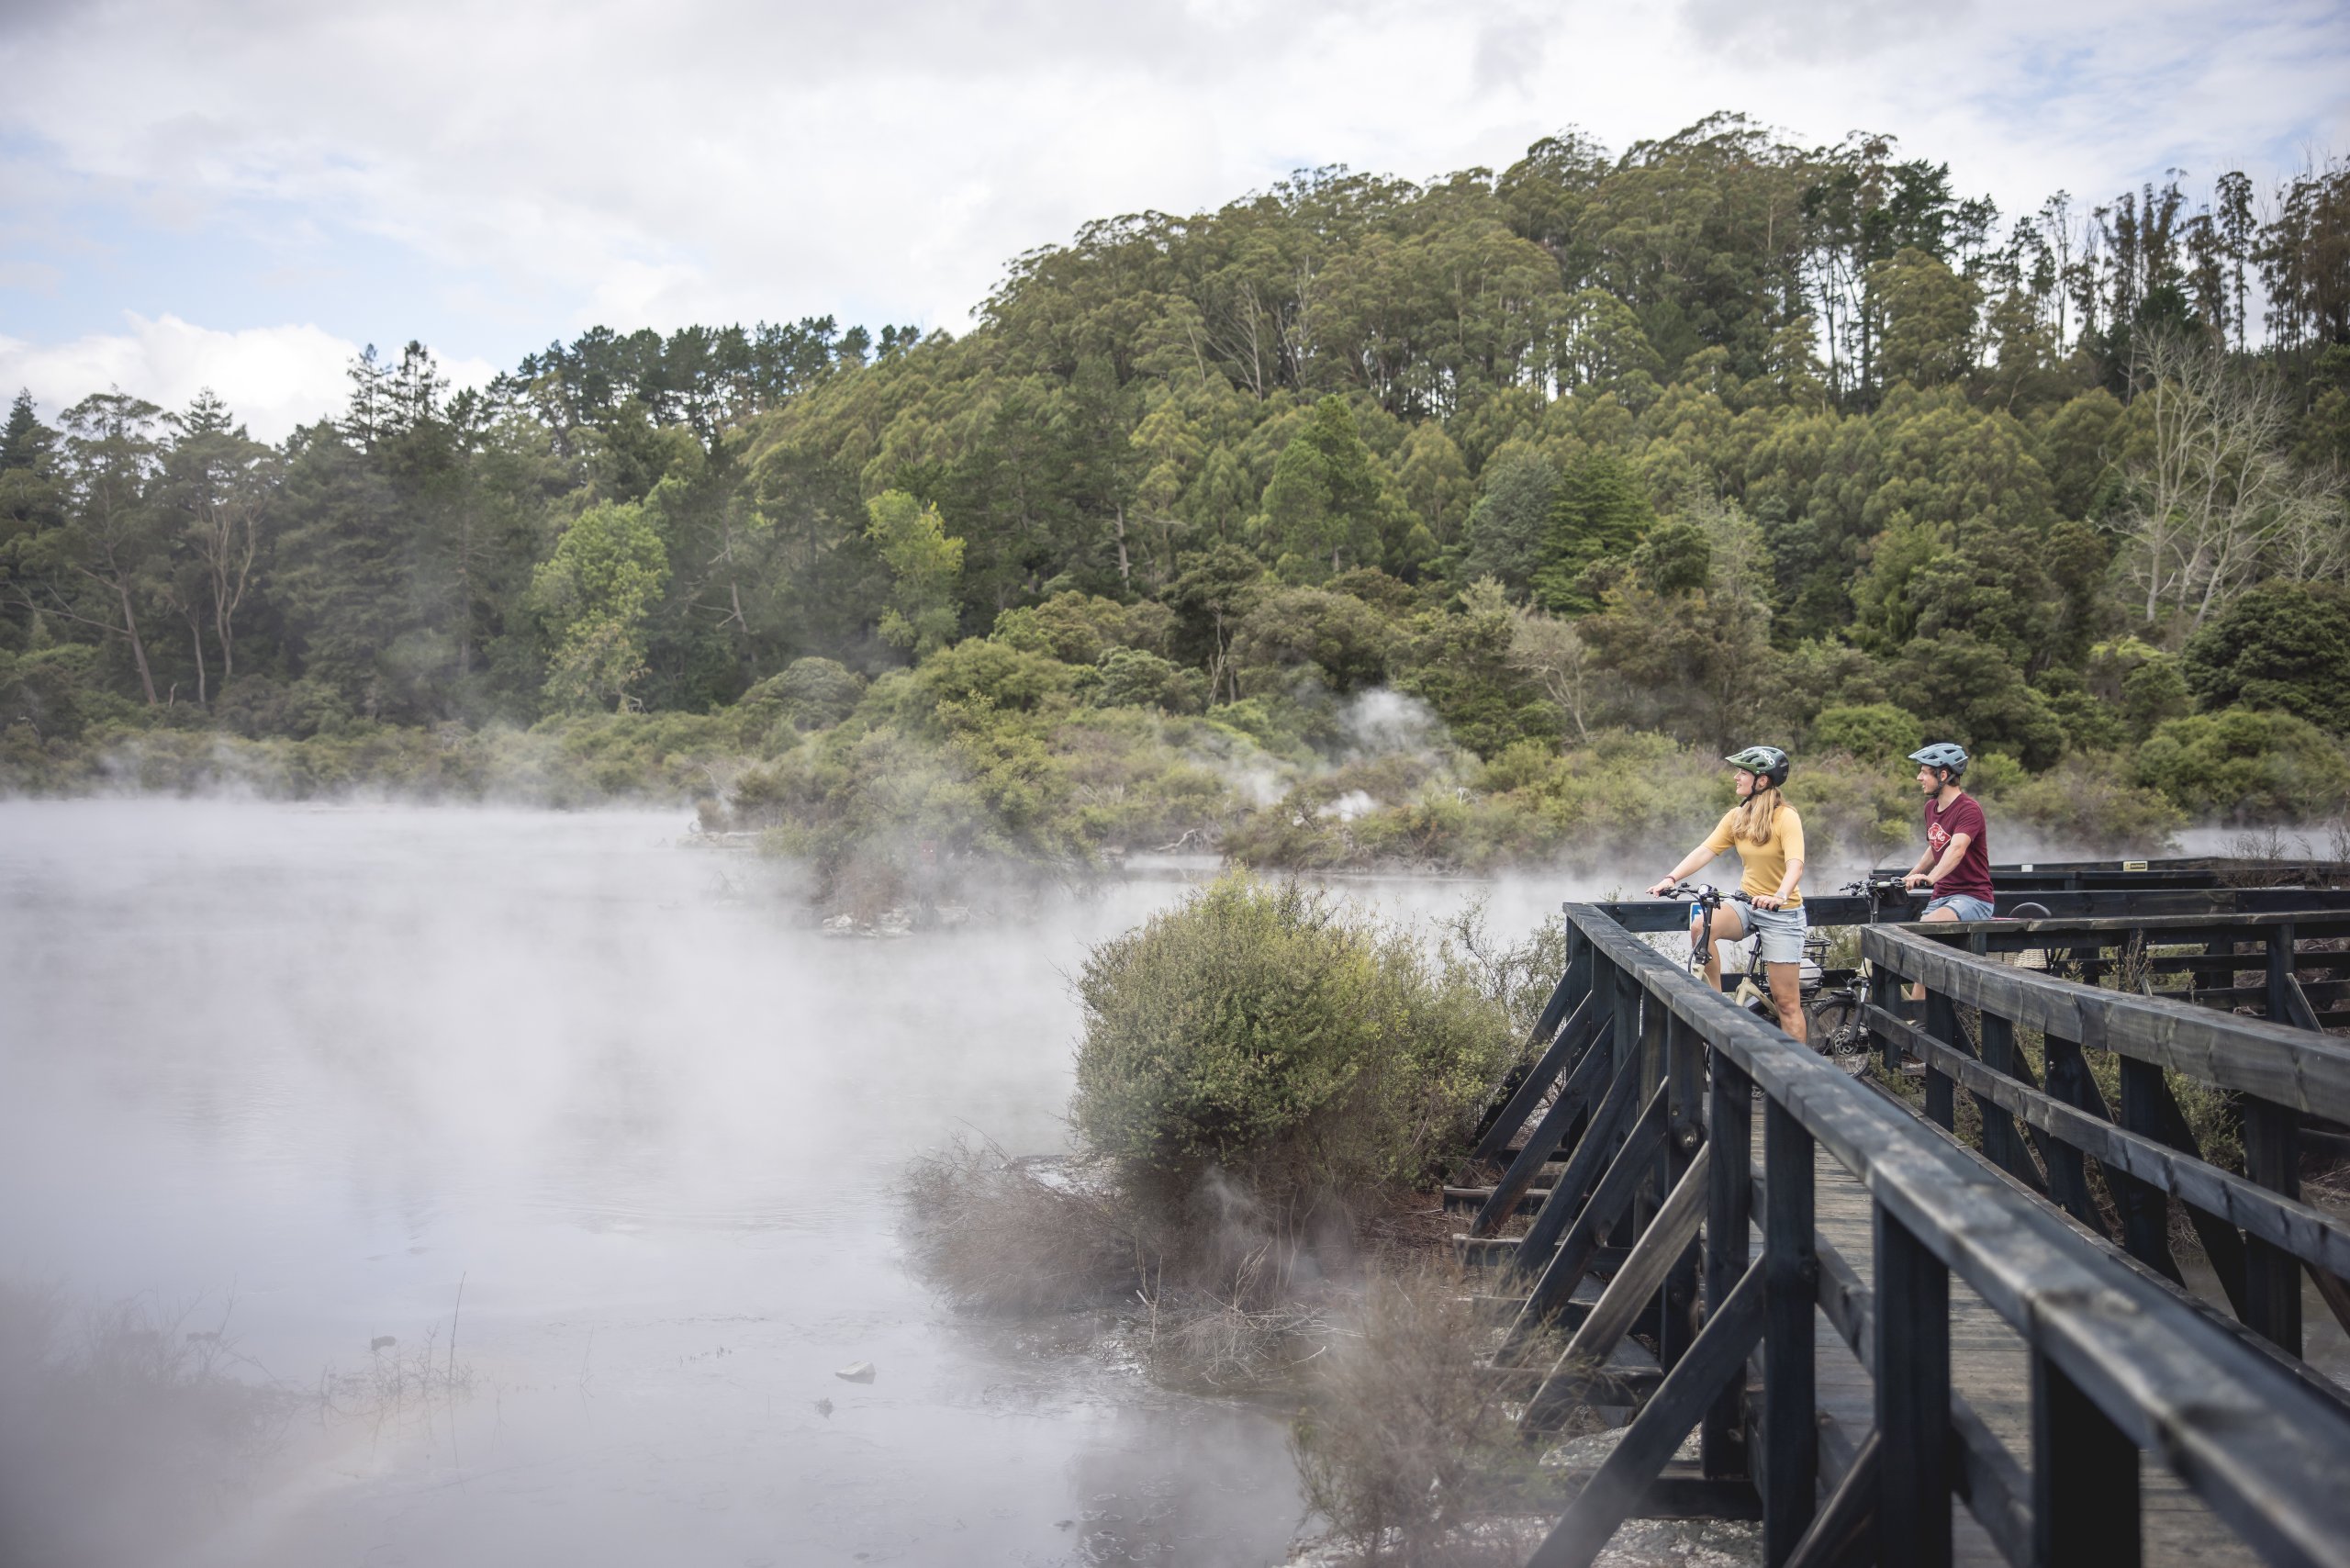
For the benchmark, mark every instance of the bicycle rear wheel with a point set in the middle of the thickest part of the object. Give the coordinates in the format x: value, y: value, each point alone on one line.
x: 1837, y: 1033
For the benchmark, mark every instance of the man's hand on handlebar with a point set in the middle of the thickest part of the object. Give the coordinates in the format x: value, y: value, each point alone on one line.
x: 1917, y: 880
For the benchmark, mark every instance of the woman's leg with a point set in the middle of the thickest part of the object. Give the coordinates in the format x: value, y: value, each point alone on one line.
x: 1728, y: 927
x: 1786, y: 995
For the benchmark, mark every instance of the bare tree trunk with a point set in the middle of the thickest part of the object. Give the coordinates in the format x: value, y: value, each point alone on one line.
x: 138, y: 647
x: 195, y: 640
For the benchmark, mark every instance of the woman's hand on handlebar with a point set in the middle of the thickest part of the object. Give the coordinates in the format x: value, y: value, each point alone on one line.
x: 1763, y: 900
x: 1665, y: 888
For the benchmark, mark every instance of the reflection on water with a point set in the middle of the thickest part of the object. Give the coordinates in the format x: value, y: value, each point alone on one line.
x: 331, y: 1066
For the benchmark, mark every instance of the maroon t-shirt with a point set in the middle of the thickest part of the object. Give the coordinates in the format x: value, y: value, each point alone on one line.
x: 1973, y: 872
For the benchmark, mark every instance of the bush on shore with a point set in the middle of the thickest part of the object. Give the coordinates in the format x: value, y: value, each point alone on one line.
x: 1262, y: 1032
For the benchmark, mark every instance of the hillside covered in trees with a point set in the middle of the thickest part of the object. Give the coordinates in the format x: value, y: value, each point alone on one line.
x: 1356, y: 521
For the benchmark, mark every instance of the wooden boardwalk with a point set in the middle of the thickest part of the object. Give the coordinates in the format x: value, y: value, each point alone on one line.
x: 1991, y: 1371
x: 1892, y: 1346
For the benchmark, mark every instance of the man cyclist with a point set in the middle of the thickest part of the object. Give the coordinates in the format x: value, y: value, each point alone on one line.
x: 1957, y: 861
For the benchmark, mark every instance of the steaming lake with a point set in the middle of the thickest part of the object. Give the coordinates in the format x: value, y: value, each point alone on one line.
x: 306, y: 1069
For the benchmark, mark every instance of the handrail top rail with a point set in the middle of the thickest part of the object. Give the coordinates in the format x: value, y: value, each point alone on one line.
x: 2239, y: 1430
x: 2131, y: 905
x: 2317, y: 915
x: 2288, y: 1066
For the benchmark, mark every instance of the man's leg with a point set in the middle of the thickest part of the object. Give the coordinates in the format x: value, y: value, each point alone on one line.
x: 1918, y: 992
x: 1786, y: 995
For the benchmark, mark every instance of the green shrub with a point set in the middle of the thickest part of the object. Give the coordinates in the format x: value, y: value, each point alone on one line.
x: 1134, y: 679
x: 2141, y: 684
x: 980, y: 670
x: 1340, y: 640
x: 1869, y: 731
x: 1854, y: 812
x: 1461, y: 665
x: 1261, y: 1031
x: 810, y: 694
x: 1970, y: 691
x: 2243, y: 766
x: 2282, y: 646
x: 1079, y: 628
x: 2091, y: 725
x: 47, y: 691
x: 2085, y: 805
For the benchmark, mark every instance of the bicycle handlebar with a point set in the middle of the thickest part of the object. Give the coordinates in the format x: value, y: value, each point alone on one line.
x: 1871, y: 886
x: 1702, y: 892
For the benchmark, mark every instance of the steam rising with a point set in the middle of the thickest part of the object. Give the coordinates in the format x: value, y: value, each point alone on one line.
x: 306, y: 1069
x: 285, y: 1076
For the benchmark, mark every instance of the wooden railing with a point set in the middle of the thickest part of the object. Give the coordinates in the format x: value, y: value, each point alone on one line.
x: 1648, y: 1086
x: 2047, y: 1126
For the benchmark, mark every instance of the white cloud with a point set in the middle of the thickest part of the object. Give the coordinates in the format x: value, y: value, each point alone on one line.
x: 272, y: 378
x: 555, y: 165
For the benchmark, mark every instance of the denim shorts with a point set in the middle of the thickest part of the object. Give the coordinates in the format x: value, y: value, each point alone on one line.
x: 1967, y: 906
x: 1779, y: 932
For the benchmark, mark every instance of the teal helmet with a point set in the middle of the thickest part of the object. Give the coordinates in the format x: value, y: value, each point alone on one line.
x: 1767, y: 763
x: 1951, y: 760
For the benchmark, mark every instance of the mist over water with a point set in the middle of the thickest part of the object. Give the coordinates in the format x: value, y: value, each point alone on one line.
x: 306, y: 1069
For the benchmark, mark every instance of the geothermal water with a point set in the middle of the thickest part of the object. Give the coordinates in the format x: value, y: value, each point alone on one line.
x: 296, y: 1076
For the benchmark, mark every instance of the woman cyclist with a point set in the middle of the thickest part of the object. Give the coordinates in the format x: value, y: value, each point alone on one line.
x: 1768, y: 836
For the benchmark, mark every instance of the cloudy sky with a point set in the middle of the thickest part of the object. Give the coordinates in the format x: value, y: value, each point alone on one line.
x: 237, y: 193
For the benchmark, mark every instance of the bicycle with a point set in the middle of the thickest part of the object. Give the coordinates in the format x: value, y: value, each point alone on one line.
x: 1834, y: 1000
x: 1752, y: 991
x: 1837, y: 1031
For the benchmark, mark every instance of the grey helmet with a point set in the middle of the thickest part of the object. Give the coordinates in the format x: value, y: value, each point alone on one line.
x: 1951, y: 760
x: 1767, y: 763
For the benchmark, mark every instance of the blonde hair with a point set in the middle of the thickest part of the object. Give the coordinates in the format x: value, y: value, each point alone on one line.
x: 1756, y: 815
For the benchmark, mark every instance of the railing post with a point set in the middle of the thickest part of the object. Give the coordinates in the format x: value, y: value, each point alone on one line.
x: 1626, y: 1041
x: 1885, y: 992
x: 1790, y: 1456
x: 1730, y: 1201
x: 2068, y: 1179
x: 1941, y: 1100
x: 1913, y: 1510
x: 2084, y: 1505
x: 1685, y: 1067
x: 2146, y: 1208
x: 1654, y: 1184
x: 2272, y: 1157
x: 2002, y: 1139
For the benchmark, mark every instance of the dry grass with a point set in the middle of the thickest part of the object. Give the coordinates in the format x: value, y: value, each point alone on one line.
x: 1000, y: 1235
x: 129, y: 1423
x: 1227, y: 1297
x: 1204, y: 1343
x: 1409, y: 1447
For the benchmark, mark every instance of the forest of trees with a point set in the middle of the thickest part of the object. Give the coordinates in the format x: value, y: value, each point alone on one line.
x: 1710, y: 440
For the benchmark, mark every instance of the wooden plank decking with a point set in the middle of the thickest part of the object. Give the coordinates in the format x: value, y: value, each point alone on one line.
x: 1989, y: 1369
